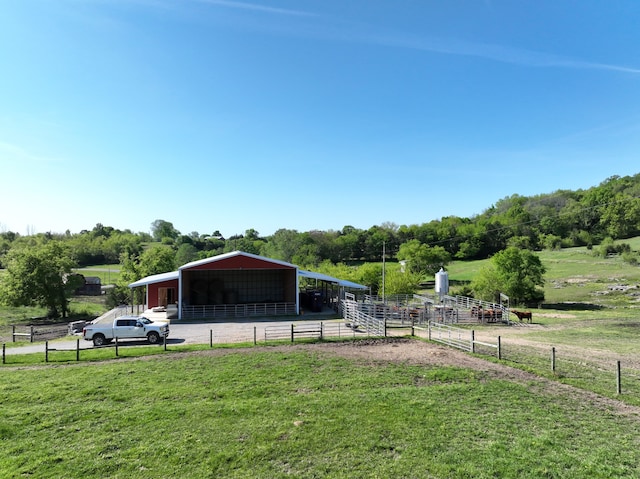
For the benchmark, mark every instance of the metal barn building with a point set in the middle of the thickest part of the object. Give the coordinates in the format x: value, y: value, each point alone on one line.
x: 235, y: 284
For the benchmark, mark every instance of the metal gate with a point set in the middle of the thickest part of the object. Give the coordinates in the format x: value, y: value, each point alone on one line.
x: 361, y: 316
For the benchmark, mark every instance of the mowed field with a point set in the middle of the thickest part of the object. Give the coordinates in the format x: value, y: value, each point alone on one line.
x: 356, y: 409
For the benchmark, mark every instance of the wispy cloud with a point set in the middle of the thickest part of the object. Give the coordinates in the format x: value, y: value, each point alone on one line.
x: 256, y: 7
x: 10, y: 152
x: 499, y: 53
x: 338, y: 29
x: 177, y: 5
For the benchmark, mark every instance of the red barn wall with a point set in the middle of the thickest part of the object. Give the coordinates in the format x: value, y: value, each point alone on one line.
x: 153, y: 289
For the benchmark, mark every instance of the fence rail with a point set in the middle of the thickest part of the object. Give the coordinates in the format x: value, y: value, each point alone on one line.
x: 32, y: 333
x: 602, y: 375
x: 363, y: 316
x: 451, y: 336
x: 237, y: 310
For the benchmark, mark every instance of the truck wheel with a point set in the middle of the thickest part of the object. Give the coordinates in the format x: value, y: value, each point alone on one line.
x: 99, y: 340
x: 153, y: 337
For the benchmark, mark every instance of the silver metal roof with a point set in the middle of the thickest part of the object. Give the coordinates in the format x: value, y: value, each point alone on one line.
x: 330, y: 279
x: 174, y: 275
x: 220, y: 257
x: 155, y: 278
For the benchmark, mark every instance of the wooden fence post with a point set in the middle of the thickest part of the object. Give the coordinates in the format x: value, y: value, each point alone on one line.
x: 553, y: 359
x: 429, y: 329
x: 30, y: 334
x: 499, y: 348
x: 77, y: 350
x: 618, y: 379
x: 255, y: 335
x: 117, y: 344
x: 211, y: 338
x: 4, y: 351
x: 46, y: 351
x: 13, y: 333
x: 291, y: 332
x: 321, y: 330
x: 473, y: 341
x: 164, y: 342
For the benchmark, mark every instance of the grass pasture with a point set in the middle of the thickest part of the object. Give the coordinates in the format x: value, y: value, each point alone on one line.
x: 576, y: 278
x: 301, y: 412
x: 108, y: 273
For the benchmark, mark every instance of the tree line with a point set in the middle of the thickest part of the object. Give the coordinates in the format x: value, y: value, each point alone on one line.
x: 564, y: 218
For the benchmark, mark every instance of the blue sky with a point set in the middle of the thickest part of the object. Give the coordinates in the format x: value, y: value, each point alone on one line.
x: 307, y: 114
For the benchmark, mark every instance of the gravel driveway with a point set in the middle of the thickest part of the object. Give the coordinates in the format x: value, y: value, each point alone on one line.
x: 239, y: 330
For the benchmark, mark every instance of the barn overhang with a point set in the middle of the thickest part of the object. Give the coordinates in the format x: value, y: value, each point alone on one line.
x: 330, y: 279
x: 161, y: 290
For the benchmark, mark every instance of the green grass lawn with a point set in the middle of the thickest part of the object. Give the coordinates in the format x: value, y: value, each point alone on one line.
x: 297, y: 413
x: 108, y: 273
x: 575, y: 275
x: 268, y: 413
x: 86, y: 307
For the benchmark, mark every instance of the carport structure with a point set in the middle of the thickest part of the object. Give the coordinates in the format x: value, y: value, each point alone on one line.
x: 332, y: 289
x: 235, y: 284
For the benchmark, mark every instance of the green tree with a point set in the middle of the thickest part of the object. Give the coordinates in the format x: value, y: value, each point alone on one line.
x: 161, y: 230
x: 250, y: 242
x: 185, y: 254
x: 518, y: 273
x: 397, y: 282
x: 370, y: 274
x: 422, y: 258
x: 154, y: 260
x: 283, y: 245
x: 40, y: 275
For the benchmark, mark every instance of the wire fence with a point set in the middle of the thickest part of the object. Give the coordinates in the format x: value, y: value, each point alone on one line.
x: 598, y: 371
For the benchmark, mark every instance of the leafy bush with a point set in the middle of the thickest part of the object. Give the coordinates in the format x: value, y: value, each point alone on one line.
x: 609, y: 247
x: 630, y: 257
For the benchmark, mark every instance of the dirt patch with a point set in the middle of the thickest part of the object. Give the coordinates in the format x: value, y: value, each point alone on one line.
x: 416, y: 352
x: 556, y: 315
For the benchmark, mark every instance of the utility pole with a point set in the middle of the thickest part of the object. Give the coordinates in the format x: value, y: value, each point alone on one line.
x: 383, y: 268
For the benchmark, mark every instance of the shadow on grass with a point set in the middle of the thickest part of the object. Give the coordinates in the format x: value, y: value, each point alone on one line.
x: 572, y: 306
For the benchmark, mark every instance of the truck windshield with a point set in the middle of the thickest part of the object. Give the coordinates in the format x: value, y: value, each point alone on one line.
x: 144, y: 320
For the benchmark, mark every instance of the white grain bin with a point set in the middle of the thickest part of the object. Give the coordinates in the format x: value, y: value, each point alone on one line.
x: 442, y: 282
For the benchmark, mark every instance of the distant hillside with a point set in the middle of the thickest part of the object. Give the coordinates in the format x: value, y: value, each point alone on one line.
x: 555, y: 220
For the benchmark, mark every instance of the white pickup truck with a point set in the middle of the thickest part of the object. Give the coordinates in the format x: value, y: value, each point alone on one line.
x: 128, y: 327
